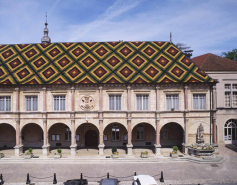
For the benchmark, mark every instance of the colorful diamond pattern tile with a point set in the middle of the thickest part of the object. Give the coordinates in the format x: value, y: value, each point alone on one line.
x: 97, y: 62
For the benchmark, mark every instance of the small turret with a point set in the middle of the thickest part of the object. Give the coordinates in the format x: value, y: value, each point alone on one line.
x: 45, y: 38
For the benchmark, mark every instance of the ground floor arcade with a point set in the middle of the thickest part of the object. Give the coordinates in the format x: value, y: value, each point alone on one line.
x: 88, y: 136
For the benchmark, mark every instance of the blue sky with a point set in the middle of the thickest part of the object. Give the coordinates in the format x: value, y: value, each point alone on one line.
x: 208, y: 26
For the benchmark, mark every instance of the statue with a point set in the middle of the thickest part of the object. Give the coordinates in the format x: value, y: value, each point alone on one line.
x: 200, y: 133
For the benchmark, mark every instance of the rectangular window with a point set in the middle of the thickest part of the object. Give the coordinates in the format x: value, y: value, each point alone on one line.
x: 228, y: 87
x: 227, y: 99
x: 67, y: 134
x: 114, y: 102
x: 55, y: 137
x: 234, y: 99
x: 5, y: 103
x: 31, y: 103
x: 59, y: 103
x: 199, y: 101
x: 142, y: 102
x: 172, y: 102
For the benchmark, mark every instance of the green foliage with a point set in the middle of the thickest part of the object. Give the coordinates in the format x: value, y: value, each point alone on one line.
x: 30, y: 150
x: 175, y: 148
x: 59, y: 150
x: 144, y: 152
x: 232, y: 55
x: 114, y: 149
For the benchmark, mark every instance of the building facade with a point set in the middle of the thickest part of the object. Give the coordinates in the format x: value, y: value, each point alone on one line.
x: 104, y: 94
x: 225, y: 71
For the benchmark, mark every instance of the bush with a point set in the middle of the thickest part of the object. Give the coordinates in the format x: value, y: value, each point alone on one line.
x: 59, y: 150
x: 30, y: 150
x: 114, y: 149
x: 175, y: 148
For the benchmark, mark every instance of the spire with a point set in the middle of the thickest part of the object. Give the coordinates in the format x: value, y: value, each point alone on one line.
x: 170, y: 37
x: 45, y: 38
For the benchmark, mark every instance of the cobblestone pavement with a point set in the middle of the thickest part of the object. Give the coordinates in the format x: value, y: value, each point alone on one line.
x: 174, y: 172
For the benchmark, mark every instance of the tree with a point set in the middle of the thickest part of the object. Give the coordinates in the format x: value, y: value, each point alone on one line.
x: 182, y: 46
x: 232, y: 55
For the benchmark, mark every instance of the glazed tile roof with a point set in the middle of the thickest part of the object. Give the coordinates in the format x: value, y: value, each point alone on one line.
x: 97, y: 62
x: 211, y: 62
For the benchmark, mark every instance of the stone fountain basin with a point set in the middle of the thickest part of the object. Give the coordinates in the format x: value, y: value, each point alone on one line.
x: 198, y: 152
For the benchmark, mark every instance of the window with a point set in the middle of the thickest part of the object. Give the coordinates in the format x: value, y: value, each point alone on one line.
x: 114, y: 102
x: 199, y: 101
x: 67, y: 134
x: 5, y: 103
x: 231, y: 131
x: 115, y: 132
x: 142, y: 102
x: 78, y: 137
x: 59, y: 103
x: 140, y: 132
x: 164, y: 133
x: 55, y: 137
x: 230, y: 95
x: 31, y: 103
x: 172, y: 102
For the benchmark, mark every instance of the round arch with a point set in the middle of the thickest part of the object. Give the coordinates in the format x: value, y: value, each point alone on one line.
x: 230, y: 131
x: 115, y: 133
x: 85, y: 124
x: 143, y: 135
x: 51, y: 125
x: 7, y: 135
x: 24, y: 125
x: 171, y: 134
x: 87, y: 135
x: 32, y: 135
x: 59, y: 135
x: 143, y: 123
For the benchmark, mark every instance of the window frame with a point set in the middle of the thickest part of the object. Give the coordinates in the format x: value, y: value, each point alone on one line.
x: 137, y: 130
x: 6, y: 96
x: 232, y: 92
x: 118, y: 132
x: 68, y: 133
x: 114, y: 100
x: 59, y: 95
x: 199, y: 94
x: 55, y: 137
x: 32, y: 103
x: 142, y: 95
x: 172, y: 104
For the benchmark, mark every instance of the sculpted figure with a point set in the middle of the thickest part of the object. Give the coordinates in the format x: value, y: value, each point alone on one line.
x: 200, y: 133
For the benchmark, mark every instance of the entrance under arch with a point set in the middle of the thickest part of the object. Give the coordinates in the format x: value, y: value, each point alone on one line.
x: 230, y: 131
x: 91, y: 138
x: 32, y: 136
x: 7, y: 136
x: 171, y: 134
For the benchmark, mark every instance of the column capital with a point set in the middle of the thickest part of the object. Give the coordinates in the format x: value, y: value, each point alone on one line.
x: 72, y: 88
x: 129, y: 87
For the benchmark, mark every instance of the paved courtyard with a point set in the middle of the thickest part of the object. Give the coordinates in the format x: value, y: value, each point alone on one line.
x: 175, y: 172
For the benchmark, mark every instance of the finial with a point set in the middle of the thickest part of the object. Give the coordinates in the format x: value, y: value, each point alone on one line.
x: 170, y: 36
x: 46, y: 19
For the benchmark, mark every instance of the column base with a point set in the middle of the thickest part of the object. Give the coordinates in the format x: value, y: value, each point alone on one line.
x: 46, y: 149
x: 157, y: 149
x: 216, y: 152
x: 101, y: 149
x: 185, y: 148
x: 73, y: 150
x: 129, y: 149
x: 18, y: 150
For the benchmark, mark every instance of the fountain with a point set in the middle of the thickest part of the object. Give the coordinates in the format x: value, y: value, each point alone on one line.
x: 199, y: 148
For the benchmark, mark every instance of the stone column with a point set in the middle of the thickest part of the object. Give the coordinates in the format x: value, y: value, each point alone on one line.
x: 44, y: 99
x: 185, y: 144
x: 185, y: 97
x: 157, y: 145
x: 214, y: 114
x: 46, y: 145
x: 73, y: 98
x: 129, y: 122
x: 101, y: 130
x: 101, y: 126
x: 19, y: 147
x: 73, y: 136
